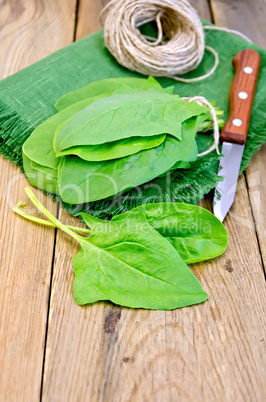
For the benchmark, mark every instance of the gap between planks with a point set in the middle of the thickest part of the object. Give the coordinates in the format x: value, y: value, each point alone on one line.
x: 49, y: 300
x: 76, y: 14
x: 76, y: 20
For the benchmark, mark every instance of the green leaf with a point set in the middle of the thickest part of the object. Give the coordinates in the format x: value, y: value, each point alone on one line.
x: 120, y: 164
x: 127, y: 262
x: 44, y: 169
x: 39, y: 146
x: 115, y: 149
x: 180, y: 165
x: 143, y: 114
x: 82, y: 181
x: 194, y: 232
x: 38, y: 178
x: 108, y: 86
x: 131, y: 264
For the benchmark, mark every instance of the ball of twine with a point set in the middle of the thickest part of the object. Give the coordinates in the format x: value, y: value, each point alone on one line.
x: 179, y: 47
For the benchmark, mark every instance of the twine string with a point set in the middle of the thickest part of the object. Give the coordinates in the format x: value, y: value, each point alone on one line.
x: 176, y: 20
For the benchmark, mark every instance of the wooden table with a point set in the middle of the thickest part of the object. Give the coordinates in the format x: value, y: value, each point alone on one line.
x: 54, y: 350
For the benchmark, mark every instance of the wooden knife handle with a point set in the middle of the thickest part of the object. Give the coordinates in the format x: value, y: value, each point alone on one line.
x: 242, y: 92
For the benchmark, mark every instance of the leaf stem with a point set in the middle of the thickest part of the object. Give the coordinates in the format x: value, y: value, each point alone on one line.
x: 19, y: 211
x: 207, y: 125
x: 54, y: 221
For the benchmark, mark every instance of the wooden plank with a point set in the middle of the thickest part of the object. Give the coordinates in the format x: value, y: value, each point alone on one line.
x: 88, y: 15
x: 26, y: 260
x: 75, y: 337
x: 202, y: 8
x: 244, y: 17
x: 213, y: 351
x: 29, y: 31
x: 256, y: 179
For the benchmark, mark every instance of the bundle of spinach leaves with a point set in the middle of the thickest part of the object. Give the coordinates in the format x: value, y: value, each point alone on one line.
x: 111, y: 136
x: 138, y: 259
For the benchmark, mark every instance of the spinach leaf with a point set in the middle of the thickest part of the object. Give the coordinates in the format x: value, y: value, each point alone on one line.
x: 179, y: 165
x: 38, y: 178
x: 115, y: 149
x: 143, y: 114
x: 39, y: 146
x: 82, y: 181
x: 194, y: 232
x: 129, y: 263
x: 44, y: 169
x: 119, y: 164
x: 133, y: 266
x: 108, y: 86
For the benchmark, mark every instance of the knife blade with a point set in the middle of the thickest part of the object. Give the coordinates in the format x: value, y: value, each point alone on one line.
x: 235, y: 131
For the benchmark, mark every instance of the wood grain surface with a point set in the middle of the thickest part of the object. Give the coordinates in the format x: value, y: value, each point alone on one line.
x: 29, y: 30
x: 246, y: 16
x: 214, y: 351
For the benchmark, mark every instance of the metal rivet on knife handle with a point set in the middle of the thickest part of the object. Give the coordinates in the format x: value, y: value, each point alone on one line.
x: 247, y: 66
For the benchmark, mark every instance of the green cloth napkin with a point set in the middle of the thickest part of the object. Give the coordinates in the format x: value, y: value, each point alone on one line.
x: 27, y: 99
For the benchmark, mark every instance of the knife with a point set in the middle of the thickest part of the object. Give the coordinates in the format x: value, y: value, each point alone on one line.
x: 234, y: 133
